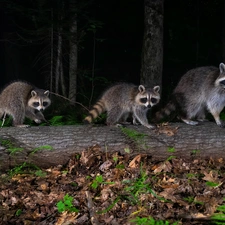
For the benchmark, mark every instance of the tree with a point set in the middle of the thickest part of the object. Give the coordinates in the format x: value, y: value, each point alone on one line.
x: 73, y: 60
x: 51, y: 30
x: 152, y: 50
x: 223, y: 36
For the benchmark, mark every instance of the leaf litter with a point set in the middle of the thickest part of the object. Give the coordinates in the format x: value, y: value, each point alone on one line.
x: 97, y: 188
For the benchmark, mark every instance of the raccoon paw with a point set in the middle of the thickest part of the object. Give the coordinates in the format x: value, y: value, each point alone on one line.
x: 37, y: 121
x: 150, y: 126
x: 221, y: 124
x: 22, y: 125
x: 118, y: 125
x: 190, y: 122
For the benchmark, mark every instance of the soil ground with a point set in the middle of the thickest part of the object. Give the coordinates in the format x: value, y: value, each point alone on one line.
x: 101, y: 188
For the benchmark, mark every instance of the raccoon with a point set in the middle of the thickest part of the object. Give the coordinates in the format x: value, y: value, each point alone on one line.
x: 123, y: 99
x: 20, y: 99
x: 199, y: 90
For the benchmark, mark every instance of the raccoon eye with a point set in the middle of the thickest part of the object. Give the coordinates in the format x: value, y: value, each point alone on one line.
x: 222, y: 82
x: 143, y: 100
x: 35, y: 104
x: 154, y: 100
x: 45, y: 104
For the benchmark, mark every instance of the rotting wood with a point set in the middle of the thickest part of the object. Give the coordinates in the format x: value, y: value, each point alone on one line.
x: 205, y: 140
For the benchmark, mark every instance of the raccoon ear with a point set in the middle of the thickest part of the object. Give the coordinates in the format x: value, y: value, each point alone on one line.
x: 33, y: 93
x: 46, y: 93
x: 156, y: 88
x: 222, y: 68
x: 141, y: 88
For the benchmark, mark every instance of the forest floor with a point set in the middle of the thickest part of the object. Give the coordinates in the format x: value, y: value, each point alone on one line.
x: 101, y: 188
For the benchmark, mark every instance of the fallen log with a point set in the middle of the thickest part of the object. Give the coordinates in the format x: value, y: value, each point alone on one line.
x: 47, y: 146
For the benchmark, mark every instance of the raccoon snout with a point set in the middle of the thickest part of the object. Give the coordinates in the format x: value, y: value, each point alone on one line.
x: 149, y: 106
x: 39, y: 110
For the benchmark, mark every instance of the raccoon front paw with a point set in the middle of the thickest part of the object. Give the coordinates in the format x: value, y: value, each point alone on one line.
x: 190, y: 122
x: 37, y: 121
x: 136, y: 123
x: 151, y: 126
x: 22, y: 125
x: 221, y: 124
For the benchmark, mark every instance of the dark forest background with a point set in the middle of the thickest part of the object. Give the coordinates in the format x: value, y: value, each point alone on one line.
x: 110, y: 36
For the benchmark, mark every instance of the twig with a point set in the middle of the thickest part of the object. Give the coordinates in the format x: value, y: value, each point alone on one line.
x: 3, y: 120
x: 91, y: 208
x: 61, y: 96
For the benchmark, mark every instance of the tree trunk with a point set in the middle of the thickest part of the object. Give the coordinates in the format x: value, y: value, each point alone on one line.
x: 20, y: 145
x: 152, y: 50
x: 223, y: 36
x: 51, y: 52
x: 58, y: 61
x: 73, y: 61
x: 62, y: 80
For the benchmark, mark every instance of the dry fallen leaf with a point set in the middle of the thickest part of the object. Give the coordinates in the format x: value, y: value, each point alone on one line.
x: 164, y: 166
x: 164, y: 128
x: 135, y: 162
x: 105, y: 166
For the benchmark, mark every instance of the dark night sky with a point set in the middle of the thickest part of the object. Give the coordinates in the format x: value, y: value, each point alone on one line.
x: 192, y: 37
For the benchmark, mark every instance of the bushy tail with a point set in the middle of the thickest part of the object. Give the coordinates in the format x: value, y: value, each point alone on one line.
x: 96, y: 110
x: 165, y: 112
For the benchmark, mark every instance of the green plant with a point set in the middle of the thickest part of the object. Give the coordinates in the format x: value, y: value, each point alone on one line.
x: 66, y: 204
x: 23, y: 168
x: 219, y: 218
x: 11, y: 148
x: 44, y: 147
x: 170, y: 157
x: 40, y: 173
x: 6, y: 122
x: 56, y: 121
x: 98, y: 181
x: 212, y: 184
x: 120, y: 166
x: 189, y: 199
x: 18, y: 212
x: 135, y: 136
x: 195, y: 152
x: 139, y: 186
x: 150, y: 221
x: 115, y: 159
x: 109, y: 207
x: 171, y: 149
x: 17, y: 169
x: 127, y: 150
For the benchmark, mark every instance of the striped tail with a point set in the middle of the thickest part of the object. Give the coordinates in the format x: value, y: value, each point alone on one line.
x: 96, y: 110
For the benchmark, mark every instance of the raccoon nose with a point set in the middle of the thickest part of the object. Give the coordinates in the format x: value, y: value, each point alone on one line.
x: 41, y: 110
x: 149, y: 106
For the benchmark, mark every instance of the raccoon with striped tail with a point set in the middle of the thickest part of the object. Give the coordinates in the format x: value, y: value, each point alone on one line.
x: 123, y: 99
x: 20, y: 99
x: 199, y: 90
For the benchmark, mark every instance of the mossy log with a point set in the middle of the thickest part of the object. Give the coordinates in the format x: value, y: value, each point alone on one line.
x: 18, y: 145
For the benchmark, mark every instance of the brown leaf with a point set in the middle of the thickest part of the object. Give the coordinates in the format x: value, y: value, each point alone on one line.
x: 135, y: 162
x: 164, y: 166
x: 164, y: 128
x: 105, y: 166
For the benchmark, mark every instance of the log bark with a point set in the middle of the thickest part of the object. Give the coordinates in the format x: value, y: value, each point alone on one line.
x: 205, y: 140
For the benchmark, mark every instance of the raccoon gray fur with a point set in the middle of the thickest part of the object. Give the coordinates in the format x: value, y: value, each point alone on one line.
x: 123, y: 99
x: 20, y: 99
x: 199, y: 90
